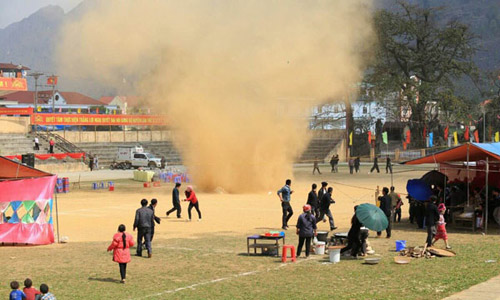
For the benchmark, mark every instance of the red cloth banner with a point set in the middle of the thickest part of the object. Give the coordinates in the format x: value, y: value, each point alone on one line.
x: 408, y: 137
x: 52, y: 80
x: 369, y: 137
x: 16, y: 111
x: 476, y: 136
x: 13, y: 84
x: 27, y: 189
x: 466, y: 134
x: 97, y: 120
x: 20, y: 233
x: 446, y: 132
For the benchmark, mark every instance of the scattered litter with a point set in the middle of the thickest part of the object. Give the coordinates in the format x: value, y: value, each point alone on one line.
x: 490, y: 261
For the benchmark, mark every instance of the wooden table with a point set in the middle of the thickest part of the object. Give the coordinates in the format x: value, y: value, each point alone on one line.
x: 262, y: 246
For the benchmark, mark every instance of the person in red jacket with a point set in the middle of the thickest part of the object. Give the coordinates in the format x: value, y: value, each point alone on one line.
x: 193, y: 202
x: 120, y: 245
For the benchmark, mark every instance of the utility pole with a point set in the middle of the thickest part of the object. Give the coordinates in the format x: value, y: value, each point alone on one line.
x: 53, y: 83
x: 35, y: 75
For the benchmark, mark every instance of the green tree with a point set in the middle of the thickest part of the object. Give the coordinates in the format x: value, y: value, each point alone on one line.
x: 417, y: 58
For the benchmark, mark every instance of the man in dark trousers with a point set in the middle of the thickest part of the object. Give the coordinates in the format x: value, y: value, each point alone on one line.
x: 375, y: 165
x: 386, y: 207
x: 143, y: 221
x: 152, y: 206
x: 285, y: 195
x: 431, y: 217
x: 388, y: 165
x: 322, y: 191
x: 312, y: 200
x: 357, y: 163
x: 324, y: 207
x: 316, y: 165
x: 176, y: 202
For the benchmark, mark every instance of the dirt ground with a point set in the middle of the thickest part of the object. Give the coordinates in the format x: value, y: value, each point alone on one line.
x: 89, y: 215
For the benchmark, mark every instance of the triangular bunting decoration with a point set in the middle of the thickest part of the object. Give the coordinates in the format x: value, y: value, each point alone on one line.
x: 27, y: 219
x: 28, y: 205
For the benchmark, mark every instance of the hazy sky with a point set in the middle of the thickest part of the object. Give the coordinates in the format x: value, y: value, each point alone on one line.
x: 15, y: 10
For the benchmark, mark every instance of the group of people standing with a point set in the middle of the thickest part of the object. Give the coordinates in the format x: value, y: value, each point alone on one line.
x: 144, y: 222
x: 354, y: 165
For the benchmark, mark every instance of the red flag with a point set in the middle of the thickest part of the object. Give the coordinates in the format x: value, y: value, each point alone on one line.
x: 466, y: 134
x: 425, y: 131
x: 369, y: 137
x: 97, y: 110
x: 476, y: 136
x: 52, y: 80
x: 408, y: 136
x: 446, y: 131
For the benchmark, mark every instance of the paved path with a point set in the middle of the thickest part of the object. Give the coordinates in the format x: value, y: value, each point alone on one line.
x: 487, y: 290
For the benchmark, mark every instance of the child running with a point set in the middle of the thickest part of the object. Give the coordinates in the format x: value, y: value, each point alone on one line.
x: 441, y: 227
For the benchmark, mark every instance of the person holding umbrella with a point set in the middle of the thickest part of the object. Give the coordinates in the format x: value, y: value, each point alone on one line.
x: 371, y: 217
x: 386, y: 207
x: 353, y: 236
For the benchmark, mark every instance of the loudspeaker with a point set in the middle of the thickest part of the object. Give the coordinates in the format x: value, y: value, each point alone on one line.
x: 29, y: 159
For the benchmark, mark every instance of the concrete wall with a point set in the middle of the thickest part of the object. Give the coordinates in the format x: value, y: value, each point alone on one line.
x: 14, y: 124
x: 328, y: 134
x: 62, y: 167
x: 114, y: 136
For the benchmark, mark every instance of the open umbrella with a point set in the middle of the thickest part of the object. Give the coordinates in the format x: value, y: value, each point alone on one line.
x: 372, y: 217
x: 418, y: 189
x: 435, y: 177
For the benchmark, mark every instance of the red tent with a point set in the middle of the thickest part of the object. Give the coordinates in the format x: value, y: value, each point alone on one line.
x: 469, y: 151
x: 26, y: 202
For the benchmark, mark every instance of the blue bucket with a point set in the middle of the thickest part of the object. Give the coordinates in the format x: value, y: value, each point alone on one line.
x: 400, y: 245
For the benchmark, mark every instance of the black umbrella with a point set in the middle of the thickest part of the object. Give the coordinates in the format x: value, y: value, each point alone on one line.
x: 434, y: 178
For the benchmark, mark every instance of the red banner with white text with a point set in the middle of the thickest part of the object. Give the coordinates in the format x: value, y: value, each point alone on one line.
x: 16, y: 111
x: 13, y: 84
x: 97, y: 120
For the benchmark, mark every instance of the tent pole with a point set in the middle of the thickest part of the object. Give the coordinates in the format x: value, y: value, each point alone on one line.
x: 57, y: 220
x: 485, y: 213
x: 468, y: 173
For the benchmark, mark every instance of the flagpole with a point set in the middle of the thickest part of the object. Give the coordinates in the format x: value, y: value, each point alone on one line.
x: 468, y: 144
x: 485, y: 213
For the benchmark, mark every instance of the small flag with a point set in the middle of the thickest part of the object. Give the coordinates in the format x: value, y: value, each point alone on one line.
x: 455, y: 138
x: 79, y: 110
x: 384, y: 137
x: 431, y: 139
x: 350, y: 139
x: 97, y: 110
x: 369, y: 137
x: 497, y: 136
x: 425, y: 131
x: 52, y: 80
x: 408, y: 137
x: 476, y: 136
x: 60, y: 109
x: 39, y: 109
x: 446, y: 131
x: 114, y: 111
x: 466, y: 134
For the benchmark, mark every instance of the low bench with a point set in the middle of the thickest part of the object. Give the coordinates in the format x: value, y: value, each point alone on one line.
x: 264, y: 246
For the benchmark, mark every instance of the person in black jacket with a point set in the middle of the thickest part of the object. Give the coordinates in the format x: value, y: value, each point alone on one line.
x: 322, y: 190
x: 176, y: 202
x: 388, y: 165
x: 306, y: 229
x: 431, y: 217
x: 152, y: 206
x: 375, y: 166
x: 353, y: 236
x: 386, y: 207
x: 312, y: 200
x: 143, y: 221
x: 357, y: 164
x: 324, y: 207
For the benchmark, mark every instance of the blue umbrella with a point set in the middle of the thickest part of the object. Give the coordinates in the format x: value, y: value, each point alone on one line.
x: 419, y: 189
x: 372, y: 217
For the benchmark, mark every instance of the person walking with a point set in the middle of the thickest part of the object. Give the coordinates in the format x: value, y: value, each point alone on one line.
x: 351, y: 165
x: 431, y: 218
x: 375, y: 166
x: 332, y: 164
x: 96, y: 162
x: 357, y: 163
x: 316, y: 165
x: 91, y: 162
x: 396, y: 204
x: 152, y: 206
x: 51, y: 145
x: 324, y: 205
x: 388, y: 165
x: 386, y: 207
x: 306, y: 229
x: 143, y: 221
x: 176, y: 203
x: 322, y: 191
x: 312, y: 200
x: 193, y: 202
x: 163, y: 162
x: 441, y: 227
x: 336, y: 163
x: 122, y: 241
x: 37, y: 144
x: 285, y: 194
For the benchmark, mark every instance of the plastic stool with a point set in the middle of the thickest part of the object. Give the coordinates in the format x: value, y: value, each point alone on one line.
x: 111, y: 188
x: 147, y: 184
x: 177, y: 179
x: 292, y: 249
x: 156, y: 183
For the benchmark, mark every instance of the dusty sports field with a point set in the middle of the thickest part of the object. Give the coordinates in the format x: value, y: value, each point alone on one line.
x: 207, y: 259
